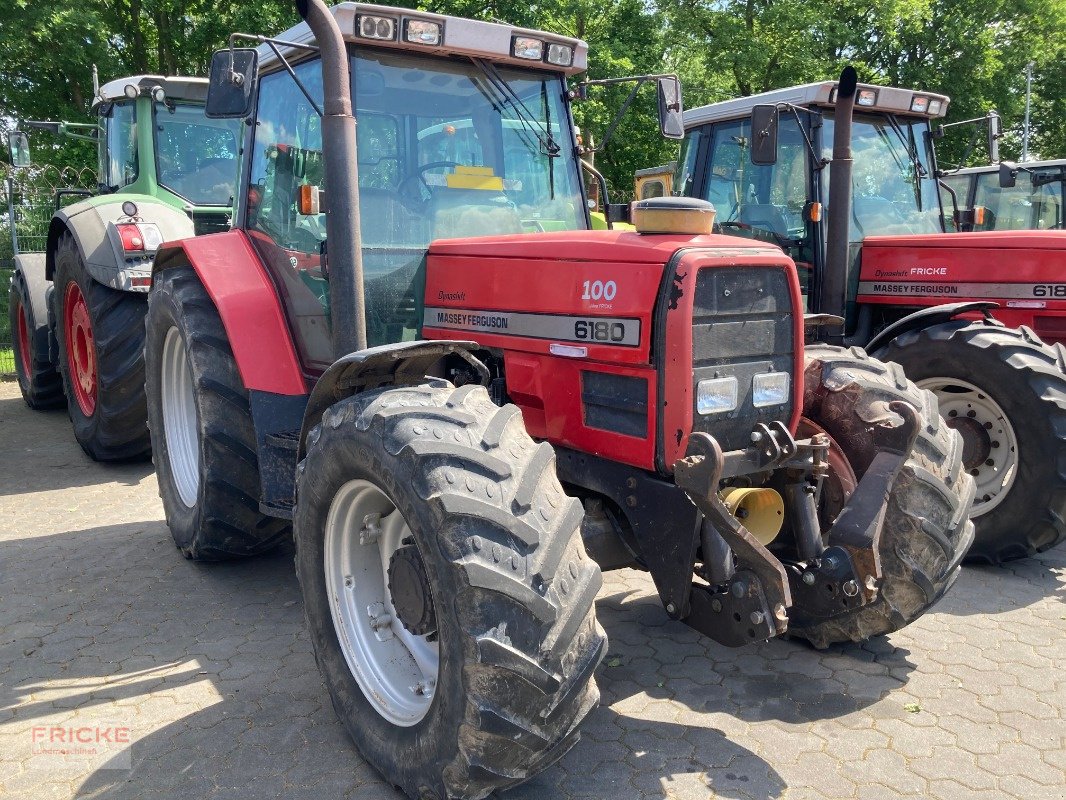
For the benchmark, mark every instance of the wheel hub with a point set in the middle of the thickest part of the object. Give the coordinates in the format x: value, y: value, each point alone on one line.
x: 81, y: 349
x: 411, y: 597
x: 976, y: 443
x: 989, y: 444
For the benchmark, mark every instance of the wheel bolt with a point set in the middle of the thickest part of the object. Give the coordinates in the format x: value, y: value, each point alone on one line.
x: 953, y: 413
x: 348, y: 582
x: 971, y: 414
x: 988, y: 426
x: 990, y: 463
x: 975, y: 472
x: 995, y: 444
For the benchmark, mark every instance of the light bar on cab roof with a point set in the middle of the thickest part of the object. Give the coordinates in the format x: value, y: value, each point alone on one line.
x: 372, y: 26
x: 920, y: 104
x: 866, y: 98
x: 422, y: 31
x: 527, y: 47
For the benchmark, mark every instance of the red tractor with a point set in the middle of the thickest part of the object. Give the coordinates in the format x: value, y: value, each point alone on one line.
x: 464, y: 431
x: 901, y: 286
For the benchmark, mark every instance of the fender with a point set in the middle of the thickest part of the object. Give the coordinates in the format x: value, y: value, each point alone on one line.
x: 31, y: 266
x: 399, y: 364
x: 88, y: 222
x: 248, y: 303
x: 926, y: 318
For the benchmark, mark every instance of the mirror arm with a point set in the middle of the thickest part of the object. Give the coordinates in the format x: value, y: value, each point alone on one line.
x: 581, y: 93
x: 602, y: 181
x: 288, y: 68
x: 621, y: 113
x: 954, y: 201
x: 821, y: 162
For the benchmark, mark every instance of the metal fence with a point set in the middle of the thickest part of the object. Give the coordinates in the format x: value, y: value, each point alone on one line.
x: 29, y: 198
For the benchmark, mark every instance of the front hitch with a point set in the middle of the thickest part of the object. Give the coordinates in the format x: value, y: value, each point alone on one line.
x: 763, y: 597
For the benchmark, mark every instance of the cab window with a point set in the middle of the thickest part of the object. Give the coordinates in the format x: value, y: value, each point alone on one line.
x: 120, y: 165
x: 1035, y: 202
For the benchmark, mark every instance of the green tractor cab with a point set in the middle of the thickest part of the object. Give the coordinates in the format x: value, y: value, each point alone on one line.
x: 79, y: 289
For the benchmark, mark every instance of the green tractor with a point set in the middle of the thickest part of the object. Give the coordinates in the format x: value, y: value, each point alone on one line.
x: 78, y: 298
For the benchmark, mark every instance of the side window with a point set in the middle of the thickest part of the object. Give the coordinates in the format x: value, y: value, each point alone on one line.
x: 121, y: 160
x: 687, y: 163
x: 761, y: 198
x: 287, y: 154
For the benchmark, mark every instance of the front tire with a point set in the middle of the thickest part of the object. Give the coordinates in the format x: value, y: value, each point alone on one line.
x: 505, y: 574
x: 38, y: 378
x: 101, y: 357
x: 1004, y: 390
x: 926, y: 531
x: 203, y: 440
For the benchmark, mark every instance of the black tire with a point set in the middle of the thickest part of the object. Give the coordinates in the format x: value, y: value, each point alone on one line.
x: 1025, y: 377
x: 927, y: 531
x: 225, y: 521
x: 38, y: 378
x: 115, y: 428
x: 513, y: 587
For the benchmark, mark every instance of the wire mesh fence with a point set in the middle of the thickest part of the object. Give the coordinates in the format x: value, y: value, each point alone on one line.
x: 29, y: 198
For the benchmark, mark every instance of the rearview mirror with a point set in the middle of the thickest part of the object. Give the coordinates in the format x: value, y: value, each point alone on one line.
x: 995, y: 131
x: 1008, y: 174
x: 671, y: 110
x: 764, y: 122
x: 231, y: 90
x: 18, y: 148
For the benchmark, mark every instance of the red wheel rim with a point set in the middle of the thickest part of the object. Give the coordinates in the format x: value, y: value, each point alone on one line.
x: 81, y: 349
x: 841, y: 482
x: 24, y: 340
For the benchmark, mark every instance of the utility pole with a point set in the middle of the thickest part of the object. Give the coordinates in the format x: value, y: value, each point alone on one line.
x: 1028, y: 91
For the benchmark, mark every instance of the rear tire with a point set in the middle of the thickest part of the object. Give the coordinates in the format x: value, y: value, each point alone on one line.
x: 38, y: 378
x: 511, y: 584
x: 1020, y: 393
x: 926, y: 531
x: 203, y: 440
x: 101, y: 358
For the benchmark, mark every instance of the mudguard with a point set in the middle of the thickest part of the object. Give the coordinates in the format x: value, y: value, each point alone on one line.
x: 398, y: 364
x: 926, y: 318
x: 31, y: 266
x: 248, y: 303
x: 88, y: 221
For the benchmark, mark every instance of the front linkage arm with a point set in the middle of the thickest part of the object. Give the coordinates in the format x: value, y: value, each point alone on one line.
x: 763, y: 596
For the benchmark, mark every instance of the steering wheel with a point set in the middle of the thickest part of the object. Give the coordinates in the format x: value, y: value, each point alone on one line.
x: 419, y: 195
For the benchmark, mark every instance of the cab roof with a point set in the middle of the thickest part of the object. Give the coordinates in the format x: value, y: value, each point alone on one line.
x: 175, y: 87
x: 887, y: 98
x: 491, y: 40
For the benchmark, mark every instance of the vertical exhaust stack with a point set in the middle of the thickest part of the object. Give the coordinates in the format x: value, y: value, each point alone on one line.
x: 348, y: 310
x: 834, y: 284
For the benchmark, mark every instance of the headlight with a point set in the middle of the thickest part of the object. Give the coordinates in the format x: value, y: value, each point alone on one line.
x: 935, y: 106
x: 866, y: 97
x: 770, y: 389
x: 527, y: 47
x: 920, y: 104
x: 716, y: 395
x: 561, y: 55
x: 420, y: 31
x: 372, y: 27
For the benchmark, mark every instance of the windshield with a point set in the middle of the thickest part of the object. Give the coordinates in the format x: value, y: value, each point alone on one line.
x: 447, y: 149
x: 196, y: 157
x: 1035, y: 202
x: 891, y: 193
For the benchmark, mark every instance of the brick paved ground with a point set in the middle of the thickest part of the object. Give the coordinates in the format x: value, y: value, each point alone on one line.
x: 103, y: 623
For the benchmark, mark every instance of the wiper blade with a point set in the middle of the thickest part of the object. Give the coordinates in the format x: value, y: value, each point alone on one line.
x: 529, y: 121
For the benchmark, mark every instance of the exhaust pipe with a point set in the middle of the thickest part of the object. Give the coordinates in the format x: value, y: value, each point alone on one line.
x: 835, y: 280
x: 341, y: 163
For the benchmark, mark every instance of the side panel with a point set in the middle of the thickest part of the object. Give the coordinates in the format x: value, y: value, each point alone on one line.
x: 248, y: 304
x: 1029, y: 283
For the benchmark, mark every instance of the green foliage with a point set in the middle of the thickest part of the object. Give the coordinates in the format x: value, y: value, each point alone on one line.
x: 974, y: 50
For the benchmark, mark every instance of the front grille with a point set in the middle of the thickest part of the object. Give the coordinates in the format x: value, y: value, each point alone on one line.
x: 742, y: 324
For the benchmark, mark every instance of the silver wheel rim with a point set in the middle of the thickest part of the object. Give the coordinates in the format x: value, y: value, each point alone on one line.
x: 396, y: 669
x: 179, y: 418
x: 978, y: 417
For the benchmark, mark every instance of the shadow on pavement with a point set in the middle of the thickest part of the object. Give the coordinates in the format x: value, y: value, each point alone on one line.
x: 47, y: 439
x: 1012, y: 586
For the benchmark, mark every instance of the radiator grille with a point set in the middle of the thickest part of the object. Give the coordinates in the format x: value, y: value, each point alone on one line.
x: 742, y: 324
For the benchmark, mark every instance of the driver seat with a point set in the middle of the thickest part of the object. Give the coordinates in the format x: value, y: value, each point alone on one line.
x: 765, y: 216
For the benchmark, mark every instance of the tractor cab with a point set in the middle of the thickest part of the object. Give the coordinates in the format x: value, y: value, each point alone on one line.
x: 1013, y: 197
x: 784, y: 199
x: 153, y: 140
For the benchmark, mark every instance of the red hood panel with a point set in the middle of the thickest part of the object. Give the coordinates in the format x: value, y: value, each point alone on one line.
x: 613, y: 246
